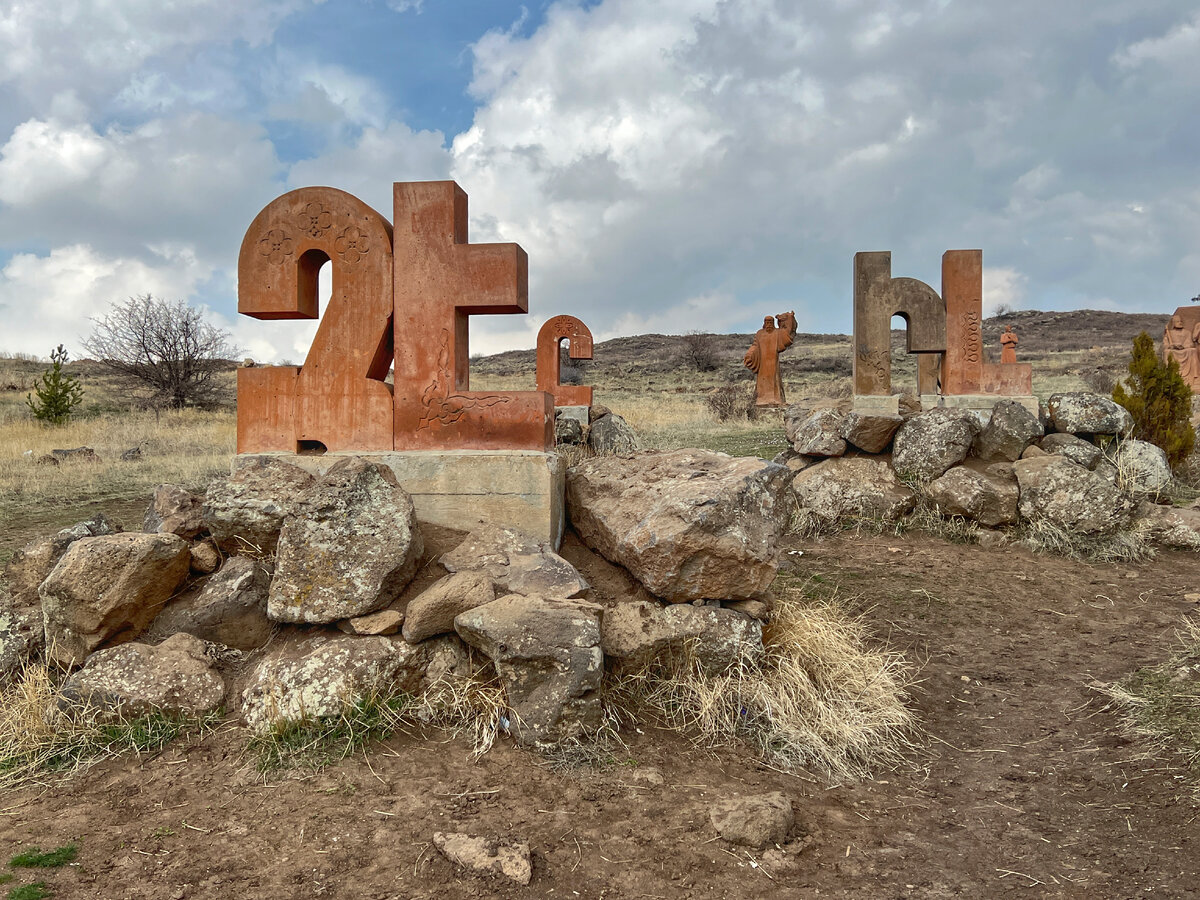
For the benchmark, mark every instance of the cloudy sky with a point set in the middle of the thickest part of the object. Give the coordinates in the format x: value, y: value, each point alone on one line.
x: 669, y: 166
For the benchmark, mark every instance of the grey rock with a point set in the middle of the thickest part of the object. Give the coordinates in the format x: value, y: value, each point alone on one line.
x: 174, y: 510
x: 870, y: 432
x: 486, y: 855
x: 793, y: 417
x: 22, y: 637
x: 1076, y: 449
x: 516, y: 562
x: 612, y: 434
x: 820, y: 434
x: 350, y: 547
x: 754, y: 821
x: 1168, y: 526
x: 433, y: 611
x: 796, y: 462
x: 1066, y: 494
x: 547, y: 654
x: 76, y: 455
x: 928, y: 444
x: 1083, y: 412
x: 687, y: 524
x: 133, y: 454
x: 848, y: 487
x: 230, y: 609
x: 985, y: 499
x: 133, y: 680
x: 634, y: 634
x: 246, y: 510
x: 105, y: 590
x: 386, y: 621
x: 1143, y: 467
x: 1008, y: 432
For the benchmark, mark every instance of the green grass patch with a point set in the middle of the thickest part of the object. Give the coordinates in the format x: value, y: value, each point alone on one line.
x: 34, y: 858
x: 36, y: 891
x: 314, y: 743
x: 6, y: 877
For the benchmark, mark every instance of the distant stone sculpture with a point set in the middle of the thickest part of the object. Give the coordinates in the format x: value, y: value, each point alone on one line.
x: 549, y: 340
x: 401, y: 298
x: 1008, y: 346
x: 763, y: 357
x: 877, y: 297
x: 1181, y: 342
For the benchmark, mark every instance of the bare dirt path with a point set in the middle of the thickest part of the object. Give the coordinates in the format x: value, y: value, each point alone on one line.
x: 1022, y: 788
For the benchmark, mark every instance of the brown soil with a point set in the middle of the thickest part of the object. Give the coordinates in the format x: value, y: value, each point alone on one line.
x: 1022, y: 787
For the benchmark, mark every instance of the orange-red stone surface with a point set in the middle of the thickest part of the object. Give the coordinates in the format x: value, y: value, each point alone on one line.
x: 550, y: 337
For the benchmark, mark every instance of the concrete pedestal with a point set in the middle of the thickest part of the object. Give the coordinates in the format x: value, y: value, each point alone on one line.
x: 463, y: 489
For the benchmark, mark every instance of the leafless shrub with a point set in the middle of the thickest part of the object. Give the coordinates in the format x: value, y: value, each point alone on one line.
x: 700, y: 351
x: 732, y: 402
x: 1102, y: 381
x: 164, y: 346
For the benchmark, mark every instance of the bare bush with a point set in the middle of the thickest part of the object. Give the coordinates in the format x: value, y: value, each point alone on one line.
x: 1102, y: 381
x: 165, y: 346
x: 700, y: 351
x: 732, y: 401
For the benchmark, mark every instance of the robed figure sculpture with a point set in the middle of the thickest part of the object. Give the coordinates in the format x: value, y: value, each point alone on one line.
x: 763, y: 357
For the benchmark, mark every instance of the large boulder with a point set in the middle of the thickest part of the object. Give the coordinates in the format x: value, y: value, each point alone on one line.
x: 1008, y: 432
x: 930, y: 443
x: 1083, y: 412
x: 1065, y: 494
x: 105, y: 590
x: 349, y: 548
x: 174, y: 510
x: 853, y: 487
x: 688, y: 524
x: 433, y: 611
x: 988, y: 498
x: 1073, y: 448
x: 31, y: 564
x: 870, y: 432
x: 1143, y: 467
x: 516, y: 563
x: 230, y: 609
x: 611, y: 434
x: 820, y: 434
x: 547, y: 654
x: 323, y: 673
x: 636, y: 633
x: 246, y: 510
x: 121, y: 683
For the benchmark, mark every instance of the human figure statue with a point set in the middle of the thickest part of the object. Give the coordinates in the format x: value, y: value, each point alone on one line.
x: 1180, y: 343
x: 763, y: 357
x: 1008, y: 345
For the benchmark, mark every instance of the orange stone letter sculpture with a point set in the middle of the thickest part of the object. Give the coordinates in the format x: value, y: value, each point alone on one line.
x: 400, y: 298
x: 549, y: 339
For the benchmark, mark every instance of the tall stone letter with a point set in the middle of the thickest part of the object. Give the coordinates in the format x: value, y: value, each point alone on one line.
x: 550, y: 337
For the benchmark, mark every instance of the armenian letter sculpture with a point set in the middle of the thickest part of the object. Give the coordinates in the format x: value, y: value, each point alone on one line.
x: 549, y: 359
x: 400, y: 297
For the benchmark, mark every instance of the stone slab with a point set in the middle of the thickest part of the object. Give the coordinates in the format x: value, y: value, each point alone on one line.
x: 980, y: 404
x: 888, y: 404
x: 463, y: 489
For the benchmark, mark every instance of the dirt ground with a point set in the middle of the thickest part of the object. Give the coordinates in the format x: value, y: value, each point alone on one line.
x: 1022, y: 787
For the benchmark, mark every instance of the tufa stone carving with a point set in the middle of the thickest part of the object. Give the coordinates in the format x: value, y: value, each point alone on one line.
x: 763, y: 358
x: 549, y: 340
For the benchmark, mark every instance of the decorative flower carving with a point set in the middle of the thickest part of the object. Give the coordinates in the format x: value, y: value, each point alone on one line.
x: 315, y: 219
x: 275, y: 245
x: 351, y: 245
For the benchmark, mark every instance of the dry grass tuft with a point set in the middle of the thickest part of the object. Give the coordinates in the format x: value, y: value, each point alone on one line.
x: 1127, y: 545
x: 820, y: 698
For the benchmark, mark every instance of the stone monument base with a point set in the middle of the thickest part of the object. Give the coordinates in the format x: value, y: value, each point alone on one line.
x: 876, y: 404
x: 980, y: 404
x: 463, y: 489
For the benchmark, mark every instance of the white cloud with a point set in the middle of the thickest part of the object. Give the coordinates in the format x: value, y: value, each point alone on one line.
x: 1003, y: 287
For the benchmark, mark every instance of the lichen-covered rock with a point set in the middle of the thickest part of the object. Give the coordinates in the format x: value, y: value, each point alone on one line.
x: 1083, y: 412
x: 853, y: 487
x: 433, y: 611
x: 318, y: 676
x: 820, y: 434
x: 1076, y: 449
x: 1143, y: 467
x: 1008, y: 432
x: 636, y: 633
x: 230, y: 609
x: 246, y: 510
x: 612, y: 434
x: 547, y: 654
x: 121, y: 683
x: 930, y: 443
x: 1169, y: 526
x: 1066, y: 494
x: 516, y: 563
x: 22, y: 637
x: 983, y: 497
x: 174, y: 510
x: 870, y: 432
x: 754, y: 821
x: 350, y: 546
x: 793, y: 417
x: 688, y: 524
x: 105, y: 590
x: 31, y: 564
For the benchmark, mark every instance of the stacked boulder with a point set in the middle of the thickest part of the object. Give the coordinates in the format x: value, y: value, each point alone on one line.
x: 1074, y: 466
x: 281, y: 595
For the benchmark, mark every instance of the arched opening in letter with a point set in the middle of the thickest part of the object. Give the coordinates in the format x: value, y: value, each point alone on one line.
x: 904, y: 364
